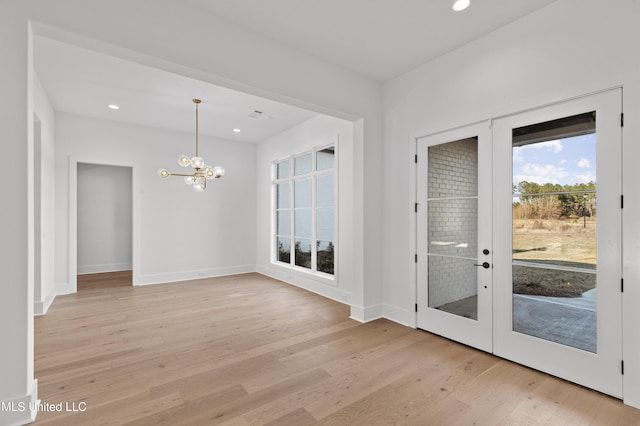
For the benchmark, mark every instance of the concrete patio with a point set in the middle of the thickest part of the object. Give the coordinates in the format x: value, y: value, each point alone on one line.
x: 570, y: 321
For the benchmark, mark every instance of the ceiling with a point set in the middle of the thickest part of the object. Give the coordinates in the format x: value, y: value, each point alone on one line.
x: 379, y: 39
x: 85, y: 82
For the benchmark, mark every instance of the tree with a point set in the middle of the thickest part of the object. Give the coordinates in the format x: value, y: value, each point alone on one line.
x: 563, y: 201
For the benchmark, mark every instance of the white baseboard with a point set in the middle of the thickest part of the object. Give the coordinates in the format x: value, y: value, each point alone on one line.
x: 401, y: 316
x: 307, y: 283
x: 392, y: 313
x: 192, y: 275
x: 21, y: 410
x: 370, y: 313
x: 111, y: 267
x: 41, y: 307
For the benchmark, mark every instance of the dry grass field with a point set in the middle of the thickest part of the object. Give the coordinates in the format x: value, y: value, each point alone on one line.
x: 559, y: 242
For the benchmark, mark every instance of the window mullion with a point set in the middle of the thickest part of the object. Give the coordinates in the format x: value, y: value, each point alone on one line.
x: 274, y: 220
x: 292, y: 256
x: 314, y: 249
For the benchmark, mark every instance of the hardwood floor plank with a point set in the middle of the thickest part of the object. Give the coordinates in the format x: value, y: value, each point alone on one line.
x: 250, y: 350
x: 503, y: 378
x: 338, y: 397
x: 581, y: 408
x: 613, y: 409
x: 193, y: 408
x: 365, y: 410
x: 543, y: 403
x: 296, y: 400
x: 298, y: 417
x: 370, y: 337
x: 415, y: 395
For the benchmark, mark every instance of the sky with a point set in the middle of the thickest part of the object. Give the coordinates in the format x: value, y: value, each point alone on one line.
x: 562, y: 161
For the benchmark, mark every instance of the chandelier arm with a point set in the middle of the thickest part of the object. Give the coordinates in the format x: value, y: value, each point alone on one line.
x: 179, y: 174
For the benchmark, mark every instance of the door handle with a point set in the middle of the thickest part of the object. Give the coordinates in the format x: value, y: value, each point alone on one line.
x: 485, y: 265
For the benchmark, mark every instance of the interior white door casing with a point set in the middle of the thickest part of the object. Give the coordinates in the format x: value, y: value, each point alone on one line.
x: 476, y: 333
x: 600, y: 370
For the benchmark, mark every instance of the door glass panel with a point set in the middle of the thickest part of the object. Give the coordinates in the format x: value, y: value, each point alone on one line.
x: 453, y: 169
x: 554, y: 221
x: 452, y: 227
x: 452, y: 286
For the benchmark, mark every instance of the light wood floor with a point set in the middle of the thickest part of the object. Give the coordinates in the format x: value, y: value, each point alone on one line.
x: 104, y: 280
x: 249, y: 350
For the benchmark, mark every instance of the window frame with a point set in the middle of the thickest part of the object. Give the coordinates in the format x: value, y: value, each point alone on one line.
x: 292, y: 179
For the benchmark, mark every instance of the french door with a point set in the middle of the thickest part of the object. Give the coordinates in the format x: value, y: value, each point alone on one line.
x: 558, y: 240
x: 454, y: 253
x: 519, y: 238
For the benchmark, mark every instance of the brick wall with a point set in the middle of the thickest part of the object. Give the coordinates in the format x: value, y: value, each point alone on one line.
x: 452, y: 220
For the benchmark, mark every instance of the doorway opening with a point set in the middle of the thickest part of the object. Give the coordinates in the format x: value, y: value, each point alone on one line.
x: 105, y: 225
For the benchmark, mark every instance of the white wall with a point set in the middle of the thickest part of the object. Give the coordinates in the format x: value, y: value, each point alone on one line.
x: 316, y: 132
x: 568, y: 49
x: 17, y: 258
x: 178, y: 234
x: 235, y: 58
x: 105, y: 218
x: 44, y: 287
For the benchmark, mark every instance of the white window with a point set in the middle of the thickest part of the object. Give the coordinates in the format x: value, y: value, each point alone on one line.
x: 304, y: 223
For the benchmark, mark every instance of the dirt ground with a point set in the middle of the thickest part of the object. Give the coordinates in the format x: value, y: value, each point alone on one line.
x: 568, y: 242
x: 551, y: 282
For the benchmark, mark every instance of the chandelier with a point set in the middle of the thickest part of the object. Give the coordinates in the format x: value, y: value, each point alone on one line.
x: 201, y: 172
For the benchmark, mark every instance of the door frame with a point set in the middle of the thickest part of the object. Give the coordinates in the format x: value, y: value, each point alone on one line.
x: 479, y: 333
x: 72, y: 259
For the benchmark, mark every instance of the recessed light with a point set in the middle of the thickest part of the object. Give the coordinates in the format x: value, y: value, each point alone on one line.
x: 114, y: 106
x: 236, y: 130
x: 461, y: 5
